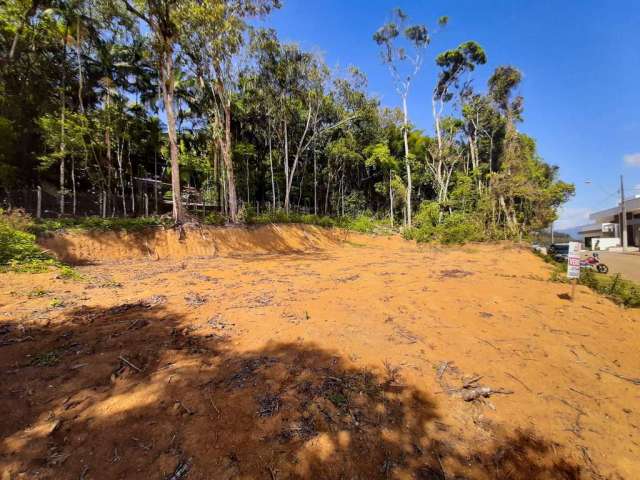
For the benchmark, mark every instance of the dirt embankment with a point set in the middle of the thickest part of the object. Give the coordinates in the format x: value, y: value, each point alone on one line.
x: 346, y: 360
x: 87, y: 247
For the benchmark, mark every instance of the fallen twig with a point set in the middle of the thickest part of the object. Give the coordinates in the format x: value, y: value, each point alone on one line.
x: 129, y: 363
x: 475, y: 393
x: 184, y: 407
x: 181, y: 471
x: 469, y: 383
x: 442, y: 368
x: 635, y: 381
x: 214, y: 406
x: 519, y: 381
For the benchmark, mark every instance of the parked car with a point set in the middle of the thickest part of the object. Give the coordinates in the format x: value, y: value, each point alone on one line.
x: 536, y: 247
x: 559, y: 251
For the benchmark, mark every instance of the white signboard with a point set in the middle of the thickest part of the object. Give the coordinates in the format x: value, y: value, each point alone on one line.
x: 573, y: 260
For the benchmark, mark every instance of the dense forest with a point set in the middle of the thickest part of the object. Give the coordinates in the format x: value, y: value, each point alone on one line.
x: 184, y: 105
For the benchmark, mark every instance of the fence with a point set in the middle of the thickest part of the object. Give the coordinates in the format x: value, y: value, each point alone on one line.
x: 46, y: 203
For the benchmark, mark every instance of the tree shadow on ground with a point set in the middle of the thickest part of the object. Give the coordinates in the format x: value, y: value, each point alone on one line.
x: 135, y: 392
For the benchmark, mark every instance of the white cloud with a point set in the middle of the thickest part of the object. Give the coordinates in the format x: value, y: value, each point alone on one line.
x: 632, y: 159
x: 572, y: 217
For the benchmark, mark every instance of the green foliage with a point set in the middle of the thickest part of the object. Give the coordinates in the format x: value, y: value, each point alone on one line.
x: 460, y: 228
x: 364, y: 223
x: 428, y: 215
x: 247, y: 214
x: 214, y: 218
x: 49, y: 225
x: 68, y: 273
x: 355, y: 204
x: 46, y: 359
x: 83, y: 87
x: 620, y: 290
x: 454, y: 228
x: 280, y: 216
x: 18, y: 249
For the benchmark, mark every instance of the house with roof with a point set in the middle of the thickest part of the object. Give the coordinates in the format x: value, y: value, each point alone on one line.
x: 604, y: 232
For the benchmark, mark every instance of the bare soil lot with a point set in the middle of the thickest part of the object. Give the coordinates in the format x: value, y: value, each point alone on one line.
x: 302, y: 354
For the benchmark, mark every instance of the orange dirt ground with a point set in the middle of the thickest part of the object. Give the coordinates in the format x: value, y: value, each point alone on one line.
x: 297, y: 352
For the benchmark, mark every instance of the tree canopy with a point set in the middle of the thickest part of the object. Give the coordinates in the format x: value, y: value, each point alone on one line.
x: 182, y: 101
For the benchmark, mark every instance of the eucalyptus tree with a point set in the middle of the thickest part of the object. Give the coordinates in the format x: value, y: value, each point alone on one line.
x: 402, y: 50
x: 502, y: 85
x: 211, y: 35
x: 454, y: 64
x: 443, y: 159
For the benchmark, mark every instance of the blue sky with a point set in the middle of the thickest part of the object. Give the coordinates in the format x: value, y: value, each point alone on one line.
x: 580, y: 60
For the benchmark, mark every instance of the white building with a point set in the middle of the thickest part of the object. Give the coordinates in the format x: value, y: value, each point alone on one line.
x: 604, y: 233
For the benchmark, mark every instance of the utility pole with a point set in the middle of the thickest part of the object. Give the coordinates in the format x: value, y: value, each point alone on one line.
x: 623, y: 216
x: 552, y: 242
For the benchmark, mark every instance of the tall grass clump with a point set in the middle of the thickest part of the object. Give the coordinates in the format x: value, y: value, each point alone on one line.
x: 430, y: 224
x: 18, y: 248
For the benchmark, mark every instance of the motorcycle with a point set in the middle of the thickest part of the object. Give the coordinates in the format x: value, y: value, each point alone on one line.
x: 593, y: 262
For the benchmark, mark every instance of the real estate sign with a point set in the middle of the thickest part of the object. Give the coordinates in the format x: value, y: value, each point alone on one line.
x: 573, y: 260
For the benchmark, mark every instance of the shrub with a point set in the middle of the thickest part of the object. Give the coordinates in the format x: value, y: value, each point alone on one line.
x: 247, y: 214
x: 428, y: 215
x: 18, y: 249
x: 214, y: 218
x: 362, y: 224
x: 456, y: 227
x: 355, y: 204
x: 47, y: 225
x: 459, y: 228
x: 618, y: 289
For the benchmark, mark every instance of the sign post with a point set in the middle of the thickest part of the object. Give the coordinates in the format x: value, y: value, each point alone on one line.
x: 573, y: 266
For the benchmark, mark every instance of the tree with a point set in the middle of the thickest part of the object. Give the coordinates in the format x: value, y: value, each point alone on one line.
x: 404, y: 62
x: 380, y: 156
x: 442, y: 160
x: 161, y: 19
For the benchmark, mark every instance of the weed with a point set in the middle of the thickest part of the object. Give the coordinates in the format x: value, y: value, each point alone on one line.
x: 618, y: 289
x: 49, y: 225
x: 46, y: 359
x: 337, y: 399
x: 69, y: 273
x: 57, y: 303
x: 38, y: 292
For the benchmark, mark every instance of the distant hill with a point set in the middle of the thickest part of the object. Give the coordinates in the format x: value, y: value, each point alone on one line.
x: 573, y: 233
x: 562, y: 236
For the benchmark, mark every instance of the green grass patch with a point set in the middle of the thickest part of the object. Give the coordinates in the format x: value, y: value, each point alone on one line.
x: 363, y: 223
x: 18, y: 248
x: 620, y: 290
x: 46, y: 359
x: 38, y: 292
x: 19, y: 251
x: 613, y: 286
x: 50, y: 225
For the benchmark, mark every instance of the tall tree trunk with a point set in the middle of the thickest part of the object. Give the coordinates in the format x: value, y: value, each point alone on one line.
x: 63, y: 101
x: 273, y: 185
x: 133, y: 193
x: 326, y: 196
x: 168, y: 86
x: 225, y: 148
x: 79, y: 61
x: 286, y: 169
x: 405, y: 136
x: 119, y: 153
x: 390, y: 200
x: 315, y: 181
